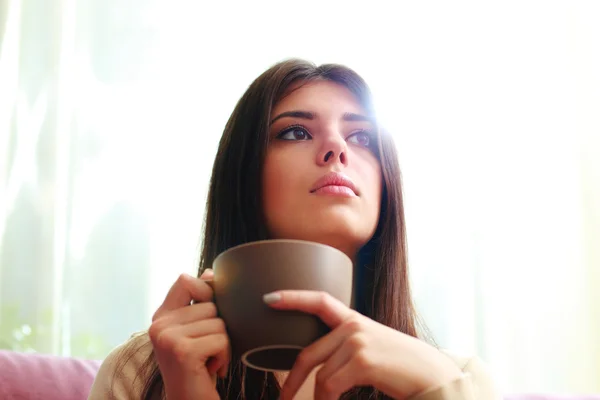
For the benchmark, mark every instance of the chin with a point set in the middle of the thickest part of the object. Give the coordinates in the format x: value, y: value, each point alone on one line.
x: 347, y: 239
x: 343, y: 228
x: 350, y: 224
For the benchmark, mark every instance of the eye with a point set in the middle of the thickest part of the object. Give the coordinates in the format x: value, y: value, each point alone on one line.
x: 362, y: 138
x: 294, y: 133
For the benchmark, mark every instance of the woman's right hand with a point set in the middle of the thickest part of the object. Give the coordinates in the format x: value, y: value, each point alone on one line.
x: 190, y: 343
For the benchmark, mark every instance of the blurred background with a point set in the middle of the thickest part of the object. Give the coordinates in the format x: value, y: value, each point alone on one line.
x: 111, y: 111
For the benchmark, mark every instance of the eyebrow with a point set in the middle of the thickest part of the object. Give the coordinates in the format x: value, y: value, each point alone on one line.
x: 295, y: 114
x: 355, y: 117
x: 348, y: 116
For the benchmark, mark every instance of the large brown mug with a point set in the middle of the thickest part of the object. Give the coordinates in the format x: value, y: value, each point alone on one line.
x: 264, y: 338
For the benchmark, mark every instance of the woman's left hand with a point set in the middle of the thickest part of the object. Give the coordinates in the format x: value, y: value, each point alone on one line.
x: 360, y: 352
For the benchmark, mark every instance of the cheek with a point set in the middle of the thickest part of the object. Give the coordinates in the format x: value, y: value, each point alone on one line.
x: 271, y: 180
x: 372, y: 179
x: 280, y: 186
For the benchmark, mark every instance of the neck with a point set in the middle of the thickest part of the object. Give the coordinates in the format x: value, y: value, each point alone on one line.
x: 350, y: 251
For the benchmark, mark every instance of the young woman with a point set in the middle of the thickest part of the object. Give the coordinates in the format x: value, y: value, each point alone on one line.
x: 299, y: 127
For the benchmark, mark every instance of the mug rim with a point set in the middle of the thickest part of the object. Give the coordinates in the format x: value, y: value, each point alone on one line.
x: 268, y: 241
x: 244, y: 357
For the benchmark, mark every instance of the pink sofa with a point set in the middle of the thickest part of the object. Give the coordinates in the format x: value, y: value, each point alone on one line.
x: 25, y: 376
x: 37, y: 376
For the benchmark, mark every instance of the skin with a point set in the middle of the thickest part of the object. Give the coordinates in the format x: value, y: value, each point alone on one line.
x: 358, y: 352
x: 191, y: 344
x: 297, y: 158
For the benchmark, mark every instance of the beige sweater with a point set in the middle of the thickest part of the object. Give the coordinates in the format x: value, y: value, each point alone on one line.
x: 121, y: 383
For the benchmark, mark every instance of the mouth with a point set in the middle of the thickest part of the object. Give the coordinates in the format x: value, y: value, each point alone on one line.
x: 335, y: 184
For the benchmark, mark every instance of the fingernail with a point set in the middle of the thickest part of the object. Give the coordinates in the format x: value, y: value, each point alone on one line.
x: 271, y: 298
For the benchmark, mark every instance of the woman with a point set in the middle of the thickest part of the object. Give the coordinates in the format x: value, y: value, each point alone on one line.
x: 296, y: 125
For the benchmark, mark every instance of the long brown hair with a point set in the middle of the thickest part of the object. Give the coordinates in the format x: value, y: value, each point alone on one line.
x: 234, y: 215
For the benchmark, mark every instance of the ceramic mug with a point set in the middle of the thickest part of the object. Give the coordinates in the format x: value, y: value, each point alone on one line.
x: 265, y: 338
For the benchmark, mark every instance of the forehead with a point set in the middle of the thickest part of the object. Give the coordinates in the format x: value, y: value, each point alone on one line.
x: 322, y: 97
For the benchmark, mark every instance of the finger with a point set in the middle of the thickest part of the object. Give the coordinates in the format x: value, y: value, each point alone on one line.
x: 329, y: 309
x: 201, y: 328
x: 223, y: 371
x: 343, y: 379
x: 214, y: 347
x: 183, y: 291
x: 191, y: 313
x: 207, y: 274
x: 170, y: 336
x: 213, y: 369
x: 324, y: 387
x: 315, y: 355
x: 349, y: 367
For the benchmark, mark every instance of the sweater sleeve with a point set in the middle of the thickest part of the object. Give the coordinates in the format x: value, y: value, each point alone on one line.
x: 120, y: 376
x: 475, y: 384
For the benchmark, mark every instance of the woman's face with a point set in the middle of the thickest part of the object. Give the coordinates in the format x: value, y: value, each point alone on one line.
x: 322, y: 180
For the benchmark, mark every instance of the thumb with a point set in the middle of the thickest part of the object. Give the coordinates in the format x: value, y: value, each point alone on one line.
x: 207, y: 274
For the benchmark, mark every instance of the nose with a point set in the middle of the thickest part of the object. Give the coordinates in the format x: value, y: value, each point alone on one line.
x: 334, y: 150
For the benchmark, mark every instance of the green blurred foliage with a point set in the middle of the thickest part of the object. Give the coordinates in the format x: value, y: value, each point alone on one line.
x: 17, y: 334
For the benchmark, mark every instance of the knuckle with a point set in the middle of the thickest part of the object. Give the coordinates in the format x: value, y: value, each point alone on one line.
x: 187, y: 282
x: 182, y: 281
x: 324, y: 298
x: 221, y: 325
x: 156, y: 315
x: 210, y: 309
x: 155, y: 329
x: 223, y: 341
x: 163, y: 340
x: 353, y: 325
x: 362, y: 360
x: 221, y: 346
x: 357, y: 342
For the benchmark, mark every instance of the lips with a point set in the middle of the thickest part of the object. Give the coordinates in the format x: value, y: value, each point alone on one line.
x: 335, y: 183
